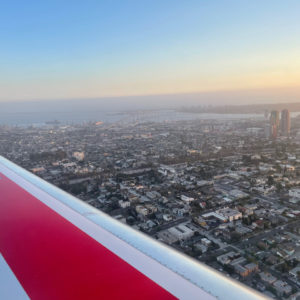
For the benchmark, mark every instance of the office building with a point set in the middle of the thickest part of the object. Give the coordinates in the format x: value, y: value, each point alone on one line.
x: 285, y: 122
x: 274, y: 123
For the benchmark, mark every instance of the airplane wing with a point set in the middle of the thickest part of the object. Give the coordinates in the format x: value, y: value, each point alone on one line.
x: 54, y: 246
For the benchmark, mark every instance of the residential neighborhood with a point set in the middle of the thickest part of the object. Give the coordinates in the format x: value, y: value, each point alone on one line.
x: 217, y: 190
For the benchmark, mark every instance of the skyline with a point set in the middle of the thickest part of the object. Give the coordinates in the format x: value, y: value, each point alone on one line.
x: 96, y: 50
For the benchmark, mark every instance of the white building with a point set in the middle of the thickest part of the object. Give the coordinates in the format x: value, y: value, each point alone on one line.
x: 79, y: 156
x: 167, y: 217
x: 181, y: 232
x: 282, y: 287
x: 294, y: 272
x: 294, y: 193
x: 238, y: 194
x: 224, y: 214
x: 124, y: 204
x: 187, y: 199
x: 140, y: 209
x: 226, y: 258
x: 202, y: 183
x: 206, y: 242
x: 230, y: 214
x: 146, y: 209
x: 214, y: 215
x: 267, y: 277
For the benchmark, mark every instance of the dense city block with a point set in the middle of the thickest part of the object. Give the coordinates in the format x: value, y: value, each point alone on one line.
x: 225, y: 192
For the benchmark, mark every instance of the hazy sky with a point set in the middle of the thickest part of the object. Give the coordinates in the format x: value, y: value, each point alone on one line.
x: 66, y: 49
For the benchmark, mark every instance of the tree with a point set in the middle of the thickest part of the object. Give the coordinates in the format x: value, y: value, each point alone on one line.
x: 279, y: 187
x: 229, y: 269
x: 270, y: 180
x: 235, y: 236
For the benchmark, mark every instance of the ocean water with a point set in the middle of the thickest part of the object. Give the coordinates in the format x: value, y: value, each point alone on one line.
x: 79, y: 117
x: 105, y: 110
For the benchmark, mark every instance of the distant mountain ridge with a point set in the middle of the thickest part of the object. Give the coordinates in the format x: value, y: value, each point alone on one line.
x: 241, y: 109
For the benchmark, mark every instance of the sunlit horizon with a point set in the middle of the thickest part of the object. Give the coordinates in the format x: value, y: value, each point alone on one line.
x: 54, y: 50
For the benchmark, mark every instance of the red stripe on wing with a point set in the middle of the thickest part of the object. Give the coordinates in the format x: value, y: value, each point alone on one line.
x: 53, y: 259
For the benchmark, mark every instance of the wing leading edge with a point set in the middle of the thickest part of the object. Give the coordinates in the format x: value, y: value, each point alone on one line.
x: 58, y: 247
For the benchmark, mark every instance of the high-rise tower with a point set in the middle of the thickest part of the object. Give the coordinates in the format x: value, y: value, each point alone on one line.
x: 285, y: 122
x: 274, y: 123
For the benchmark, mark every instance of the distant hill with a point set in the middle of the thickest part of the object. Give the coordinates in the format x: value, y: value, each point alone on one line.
x: 241, y: 109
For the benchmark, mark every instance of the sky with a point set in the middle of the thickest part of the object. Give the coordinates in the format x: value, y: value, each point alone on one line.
x: 88, y: 49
